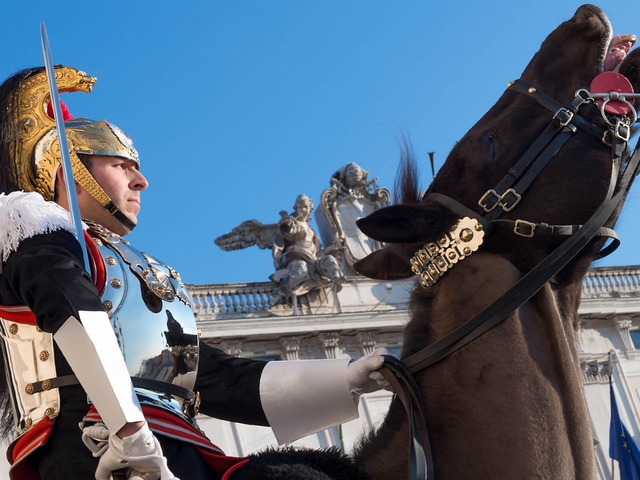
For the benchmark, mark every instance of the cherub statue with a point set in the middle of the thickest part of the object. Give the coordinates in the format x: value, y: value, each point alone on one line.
x: 352, y: 180
x: 350, y: 197
x: 301, y: 264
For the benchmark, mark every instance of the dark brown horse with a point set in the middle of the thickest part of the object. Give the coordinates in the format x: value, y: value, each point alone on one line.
x: 509, y: 405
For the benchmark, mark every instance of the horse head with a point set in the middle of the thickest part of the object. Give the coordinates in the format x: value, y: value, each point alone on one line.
x: 566, y: 191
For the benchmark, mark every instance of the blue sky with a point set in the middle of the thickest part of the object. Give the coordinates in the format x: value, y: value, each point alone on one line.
x: 238, y: 107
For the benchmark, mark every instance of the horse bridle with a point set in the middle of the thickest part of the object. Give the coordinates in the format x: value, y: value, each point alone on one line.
x: 503, y: 198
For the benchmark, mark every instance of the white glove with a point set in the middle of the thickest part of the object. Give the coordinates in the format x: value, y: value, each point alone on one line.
x: 362, y: 374
x: 140, y: 453
x: 96, y: 438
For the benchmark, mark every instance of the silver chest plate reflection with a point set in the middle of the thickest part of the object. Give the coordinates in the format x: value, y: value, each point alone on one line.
x: 151, y: 314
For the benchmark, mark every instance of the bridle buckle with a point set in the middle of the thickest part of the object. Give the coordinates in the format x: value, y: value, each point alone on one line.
x: 524, y: 228
x: 563, y: 116
x: 622, y: 131
x: 504, y: 200
x: 483, y: 200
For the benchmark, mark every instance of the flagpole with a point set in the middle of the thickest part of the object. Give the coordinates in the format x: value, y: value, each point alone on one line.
x: 433, y: 166
x: 613, y: 471
x: 635, y: 411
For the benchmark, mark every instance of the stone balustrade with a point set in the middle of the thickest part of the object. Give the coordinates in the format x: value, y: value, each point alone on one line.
x: 256, y: 299
x: 232, y: 298
x: 611, y: 281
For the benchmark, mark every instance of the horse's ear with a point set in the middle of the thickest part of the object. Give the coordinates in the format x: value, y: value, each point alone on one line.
x: 383, y: 264
x: 424, y: 222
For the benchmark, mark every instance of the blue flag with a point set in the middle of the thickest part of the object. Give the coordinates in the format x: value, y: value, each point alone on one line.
x: 621, y: 446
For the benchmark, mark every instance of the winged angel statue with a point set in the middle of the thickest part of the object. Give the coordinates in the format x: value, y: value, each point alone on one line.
x: 301, y: 264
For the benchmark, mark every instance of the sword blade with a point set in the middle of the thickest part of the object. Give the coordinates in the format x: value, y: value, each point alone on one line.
x: 74, y: 208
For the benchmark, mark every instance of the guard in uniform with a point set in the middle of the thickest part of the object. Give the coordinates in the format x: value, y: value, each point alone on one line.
x: 116, y: 350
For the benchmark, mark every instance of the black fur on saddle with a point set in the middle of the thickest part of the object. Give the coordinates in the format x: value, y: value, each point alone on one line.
x: 300, y: 464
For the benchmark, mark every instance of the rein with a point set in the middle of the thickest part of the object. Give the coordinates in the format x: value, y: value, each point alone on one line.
x: 503, y: 198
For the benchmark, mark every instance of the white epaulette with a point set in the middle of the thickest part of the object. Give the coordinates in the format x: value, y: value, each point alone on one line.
x: 26, y: 214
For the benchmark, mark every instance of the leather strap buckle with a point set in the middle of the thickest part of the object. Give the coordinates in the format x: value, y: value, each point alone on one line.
x: 563, y: 117
x: 607, y: 138
x: 622, y: 131
x: 509, y: 200
x: 192, y: 407
x: 489, y: 195
x: 524, y: 228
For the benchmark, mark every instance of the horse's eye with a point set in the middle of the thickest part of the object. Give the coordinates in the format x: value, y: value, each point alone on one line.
x: 488, y: 146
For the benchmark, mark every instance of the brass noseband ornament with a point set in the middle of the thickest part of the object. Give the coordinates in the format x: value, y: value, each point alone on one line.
x: 436, y: 258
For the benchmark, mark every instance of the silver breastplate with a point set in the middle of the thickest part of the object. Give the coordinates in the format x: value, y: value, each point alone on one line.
x: 150, y: 311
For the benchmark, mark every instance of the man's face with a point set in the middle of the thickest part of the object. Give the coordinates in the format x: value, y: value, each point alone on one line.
x: 122, y: 181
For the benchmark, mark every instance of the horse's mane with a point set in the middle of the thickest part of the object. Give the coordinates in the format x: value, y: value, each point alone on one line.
x: 9, y: 129
x: 406, y: 188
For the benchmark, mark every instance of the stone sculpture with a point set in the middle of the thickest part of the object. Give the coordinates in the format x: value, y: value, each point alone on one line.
x: 351, y: 196
x: 301, y: 264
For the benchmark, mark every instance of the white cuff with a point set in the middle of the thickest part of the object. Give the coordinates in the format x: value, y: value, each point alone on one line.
x: 303, y: 397
x: 93, y: 353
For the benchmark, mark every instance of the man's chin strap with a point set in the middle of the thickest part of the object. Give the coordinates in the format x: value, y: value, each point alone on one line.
x: 122, y: 218
x: 84, y: 178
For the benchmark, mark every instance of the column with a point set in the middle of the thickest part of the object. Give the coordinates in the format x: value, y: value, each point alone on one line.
x: 290, y: 347
x: 232, y: 347
x: 367, y: 342
x: 330, y: 344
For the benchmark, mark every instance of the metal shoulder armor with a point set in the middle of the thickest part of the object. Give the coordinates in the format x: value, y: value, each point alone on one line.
x: 150, y: 311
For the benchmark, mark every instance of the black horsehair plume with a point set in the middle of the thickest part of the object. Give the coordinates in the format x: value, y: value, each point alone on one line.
x: 406, y: 188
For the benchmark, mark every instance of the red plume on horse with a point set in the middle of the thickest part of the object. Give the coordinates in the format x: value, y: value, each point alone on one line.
x: 539, y: 181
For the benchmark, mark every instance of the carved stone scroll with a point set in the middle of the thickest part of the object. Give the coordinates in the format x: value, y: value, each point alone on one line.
x: 350, y: 197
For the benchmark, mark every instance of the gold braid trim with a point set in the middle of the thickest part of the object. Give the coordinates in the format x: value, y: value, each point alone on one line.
x: 84, y: 178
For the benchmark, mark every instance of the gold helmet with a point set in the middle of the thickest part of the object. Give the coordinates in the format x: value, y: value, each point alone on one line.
x: 35, y: 150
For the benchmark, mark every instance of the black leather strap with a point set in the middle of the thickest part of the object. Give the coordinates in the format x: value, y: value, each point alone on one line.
x: 515, y: 173
x: 154, y: 385
x: 48, y: 384
x: 522, y: 86
x: 114, y: 210
x: 163, y: 387
x: 404, y: 386
x: 533, y: 168
x: 530, y: 230
x: 460, y: 209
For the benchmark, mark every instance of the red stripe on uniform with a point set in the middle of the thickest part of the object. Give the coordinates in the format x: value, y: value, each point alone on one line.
x: 34, y: 438
x: 168, y: 424
x: 22, y: 314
